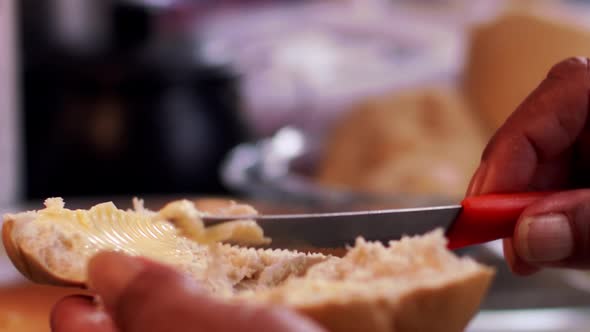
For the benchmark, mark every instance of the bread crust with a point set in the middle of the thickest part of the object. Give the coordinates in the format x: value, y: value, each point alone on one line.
x: 12, y: 249
x: 26, y: 263
x: 447, y: 308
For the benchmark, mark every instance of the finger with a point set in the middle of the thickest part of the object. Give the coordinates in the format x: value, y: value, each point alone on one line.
x: 79, y: 313
x: 477, y: 180
x: 516, y: 264
x: 140, y: 294
x: 554, y: 174
x: 109, y: 273
x: 156, y: 298
x: 542, y: 129
x: 555, y: 231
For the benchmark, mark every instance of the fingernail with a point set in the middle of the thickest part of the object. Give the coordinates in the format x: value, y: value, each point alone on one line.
x: 544, y: 238
x: 477, y: 180
x: 110, y: 273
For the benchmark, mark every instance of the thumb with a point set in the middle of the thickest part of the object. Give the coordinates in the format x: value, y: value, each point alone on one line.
x: 555, y: 231
x: 145, y: 296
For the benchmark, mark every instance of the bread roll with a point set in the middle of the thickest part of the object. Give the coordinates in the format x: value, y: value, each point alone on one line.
x: 510, y: 56
x: 421, y: 141
x: 414, y: 284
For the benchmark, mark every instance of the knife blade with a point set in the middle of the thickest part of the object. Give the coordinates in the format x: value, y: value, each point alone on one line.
x: 476, y: 220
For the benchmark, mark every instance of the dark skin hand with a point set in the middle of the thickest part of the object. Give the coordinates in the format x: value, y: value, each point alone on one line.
x: 545, y: 145
x: 139, y: 295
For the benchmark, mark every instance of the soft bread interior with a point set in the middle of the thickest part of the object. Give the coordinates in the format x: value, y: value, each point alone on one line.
x: 414, y: 284
x: 413, y: 276
x: 53, y: 245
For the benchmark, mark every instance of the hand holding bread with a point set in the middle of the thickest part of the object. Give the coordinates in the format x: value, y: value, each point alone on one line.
x: 140, y: 295
x: 373, y: 287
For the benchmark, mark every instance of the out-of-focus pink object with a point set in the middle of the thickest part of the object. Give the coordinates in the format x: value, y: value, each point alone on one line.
x: 305, y: 64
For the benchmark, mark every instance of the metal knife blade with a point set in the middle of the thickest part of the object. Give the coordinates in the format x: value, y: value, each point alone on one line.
x: 335, y: 230
x: 476, y: 220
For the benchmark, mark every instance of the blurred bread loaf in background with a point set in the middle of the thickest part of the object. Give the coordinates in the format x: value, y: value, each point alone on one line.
x: 508, y: 57
x: 417, y: 141
x: 428, y: 140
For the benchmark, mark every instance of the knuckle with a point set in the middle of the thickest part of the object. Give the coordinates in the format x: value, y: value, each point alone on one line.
x: 569, y: 68
x: 580, y: 206
x: 571, y: 199
x: 582, y: 195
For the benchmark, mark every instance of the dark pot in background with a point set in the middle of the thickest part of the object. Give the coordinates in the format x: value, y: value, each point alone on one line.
x: 124, y: 109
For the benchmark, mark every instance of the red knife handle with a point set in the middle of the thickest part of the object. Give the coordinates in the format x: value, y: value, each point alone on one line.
x: 489, y: 217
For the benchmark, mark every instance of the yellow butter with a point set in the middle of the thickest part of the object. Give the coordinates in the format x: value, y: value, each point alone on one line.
x: 143, y: 232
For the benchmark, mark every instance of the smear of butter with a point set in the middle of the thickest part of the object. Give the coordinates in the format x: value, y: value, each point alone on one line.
x: 186, y: 217
x: 146, y: 233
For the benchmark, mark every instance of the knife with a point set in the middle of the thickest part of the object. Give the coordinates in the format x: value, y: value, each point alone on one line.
x: 476, y: 220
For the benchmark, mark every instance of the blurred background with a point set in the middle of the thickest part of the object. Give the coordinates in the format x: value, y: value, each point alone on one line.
x: 153, y: 97
x: 125, y: 97
x: 294, y: 105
